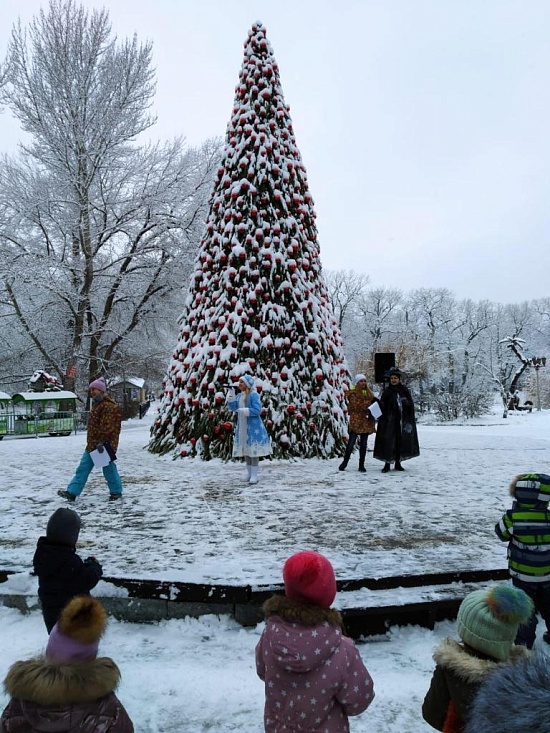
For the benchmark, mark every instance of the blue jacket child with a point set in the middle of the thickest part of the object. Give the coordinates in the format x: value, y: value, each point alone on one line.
x: 62, y: 574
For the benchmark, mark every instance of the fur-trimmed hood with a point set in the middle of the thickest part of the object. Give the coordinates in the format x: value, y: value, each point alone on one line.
x: 467, y: 664
x: 43, y: 683
x: 514, y: 699
x: 301, y: 613
x: 284, y: 633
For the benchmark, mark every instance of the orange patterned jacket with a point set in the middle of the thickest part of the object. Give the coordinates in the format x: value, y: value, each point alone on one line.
x: 360, y: 420
x: 104, y: 424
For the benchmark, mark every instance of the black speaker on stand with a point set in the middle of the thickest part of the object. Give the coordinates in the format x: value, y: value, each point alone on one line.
x: 382, y: 362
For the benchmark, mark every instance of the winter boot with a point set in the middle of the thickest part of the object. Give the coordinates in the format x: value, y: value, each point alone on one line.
x: 66, y: 495
x: 246, y: 475
x: 398, y: 467
x: 386, y: 468
x: 253, y: 475
x: 362, y: 455
x: 347, y: 455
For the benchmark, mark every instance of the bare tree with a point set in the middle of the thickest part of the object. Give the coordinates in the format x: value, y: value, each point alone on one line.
x: 377, y: 308
x: 346, y: 288
x: 94, y: 230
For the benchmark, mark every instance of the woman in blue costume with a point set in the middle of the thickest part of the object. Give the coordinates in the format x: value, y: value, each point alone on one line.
x: 250, y: 438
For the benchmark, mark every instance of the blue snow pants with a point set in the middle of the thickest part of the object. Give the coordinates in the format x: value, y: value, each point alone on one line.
x: 84, y: 469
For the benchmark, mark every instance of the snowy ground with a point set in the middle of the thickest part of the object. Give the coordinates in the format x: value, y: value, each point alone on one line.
x: 191, y: 521
x: 196, y: 676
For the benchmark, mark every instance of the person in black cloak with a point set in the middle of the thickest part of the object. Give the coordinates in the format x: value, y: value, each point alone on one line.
x: 396, y: 436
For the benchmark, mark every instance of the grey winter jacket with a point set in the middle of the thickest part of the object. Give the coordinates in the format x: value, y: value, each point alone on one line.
x: 515, y: 699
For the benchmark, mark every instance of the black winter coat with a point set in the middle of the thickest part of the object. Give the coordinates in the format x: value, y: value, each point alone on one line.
x: 396, y: 436
x: 62, y: 574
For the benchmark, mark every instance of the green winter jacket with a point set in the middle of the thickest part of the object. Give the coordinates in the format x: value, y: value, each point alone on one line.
x: 526, y: 528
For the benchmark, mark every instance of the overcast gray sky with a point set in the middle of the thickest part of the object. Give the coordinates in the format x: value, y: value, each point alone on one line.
x: 423, y: 124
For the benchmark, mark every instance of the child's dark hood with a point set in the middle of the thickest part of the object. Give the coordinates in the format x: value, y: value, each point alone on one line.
x: 63, y: 527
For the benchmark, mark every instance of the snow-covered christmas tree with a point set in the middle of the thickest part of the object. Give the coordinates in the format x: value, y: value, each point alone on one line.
x: 257, y: 301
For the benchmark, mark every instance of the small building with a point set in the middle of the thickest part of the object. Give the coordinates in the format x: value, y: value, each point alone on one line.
x: 5, y: 401
x: 131, y: 394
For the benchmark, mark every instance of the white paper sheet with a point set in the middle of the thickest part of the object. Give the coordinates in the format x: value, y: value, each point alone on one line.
x: 375, y: 410
x: 100, y: 459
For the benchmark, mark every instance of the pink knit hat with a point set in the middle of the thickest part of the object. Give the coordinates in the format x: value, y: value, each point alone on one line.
x: 75, y: 637
x: 309, y: 578
x: 98, y: 384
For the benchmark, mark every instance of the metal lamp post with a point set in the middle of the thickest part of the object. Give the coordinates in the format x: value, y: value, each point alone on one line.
x: 538, y: 362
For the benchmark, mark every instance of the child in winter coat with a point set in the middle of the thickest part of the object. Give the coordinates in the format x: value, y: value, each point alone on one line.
x: 69, y: 689
x: 62, y: 574
x: 314, y: 676
x: 487, y: 624
x: 526, y: 528
x: 514, y: 699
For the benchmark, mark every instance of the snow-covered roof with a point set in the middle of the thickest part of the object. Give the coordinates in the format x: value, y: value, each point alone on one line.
x: 4, y: 397
x: 135, y: 381
x: 43, y: 396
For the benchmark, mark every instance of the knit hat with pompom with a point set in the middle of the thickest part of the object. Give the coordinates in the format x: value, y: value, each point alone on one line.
x: 75, y: 637
x: 488, y: 620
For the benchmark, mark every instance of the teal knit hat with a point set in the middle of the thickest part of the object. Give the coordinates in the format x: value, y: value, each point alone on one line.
x: 488, y: 620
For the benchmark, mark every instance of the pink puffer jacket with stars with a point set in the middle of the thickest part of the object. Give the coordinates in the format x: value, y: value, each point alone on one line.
x: 314, y: 676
